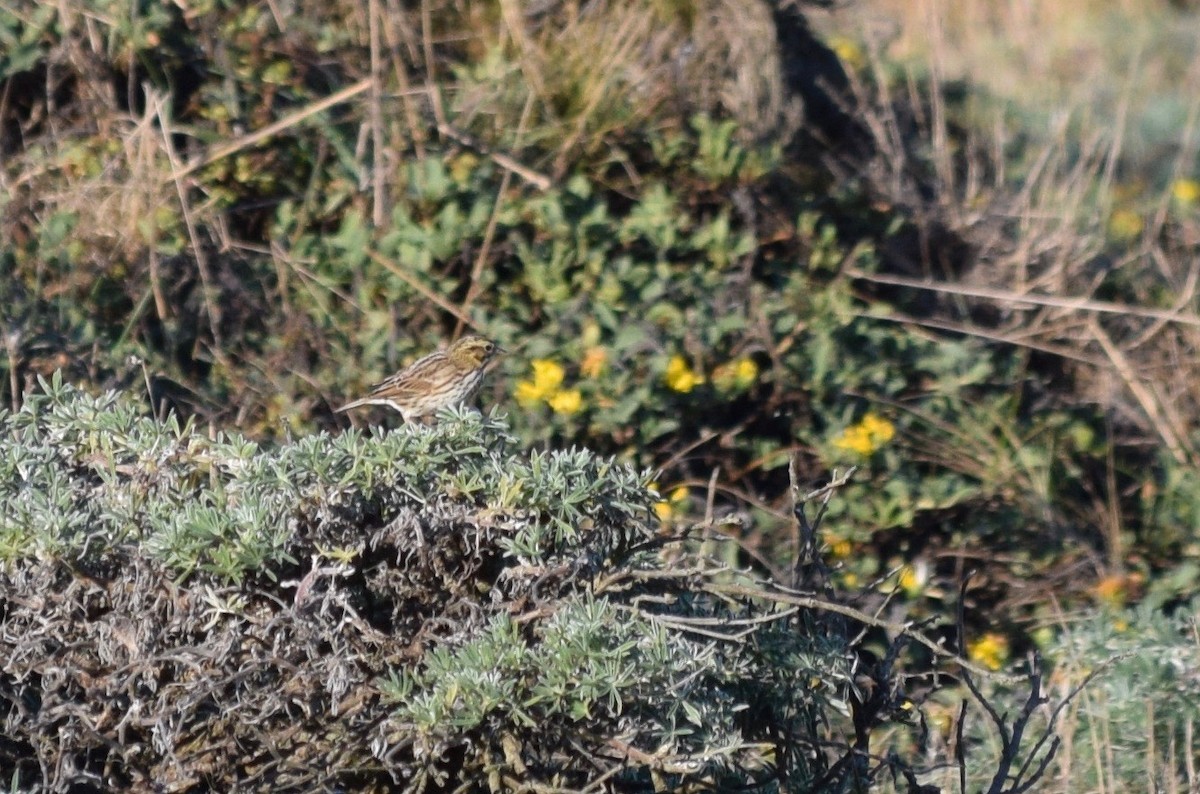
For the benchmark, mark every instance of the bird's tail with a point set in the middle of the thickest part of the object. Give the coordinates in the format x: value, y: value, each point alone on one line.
x: 350, y: 405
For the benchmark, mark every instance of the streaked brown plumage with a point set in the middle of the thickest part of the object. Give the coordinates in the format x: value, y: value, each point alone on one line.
x: 448, y: 377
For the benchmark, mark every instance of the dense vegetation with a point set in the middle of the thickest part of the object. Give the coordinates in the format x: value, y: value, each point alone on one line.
x: 717, y: 253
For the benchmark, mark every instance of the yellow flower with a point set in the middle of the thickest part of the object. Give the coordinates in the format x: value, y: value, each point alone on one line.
x: 462, y: 166
x: 841, y: 548
x: 1124, y: 225
x: 912, y: 580
x: 547, y: 378
x: 547, y: 375
x: 746, y: 372
x: 565, y: 402
x: 666, y: 508
x: 527, y: 394
x: 855, y: 440
x: 879, y: 429
x: 866, y: 437
x: 736, y: 375
x: 593, y: 362
x: 680, y: 377
x: 1185, y: 191
x: 848, y: 52
x: 989, y: 650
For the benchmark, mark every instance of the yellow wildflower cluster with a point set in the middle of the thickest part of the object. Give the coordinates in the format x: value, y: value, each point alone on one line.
x: 737, y: 375
x: 680, y: 376
x: 1186, y: 191
x: 866, y: 437
x: 667, y: 508
x: 546, y: 386
x: 989, y: 650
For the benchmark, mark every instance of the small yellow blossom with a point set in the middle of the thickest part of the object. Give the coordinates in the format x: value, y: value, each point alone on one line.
x: 566, y: 402
x: 593, y: 362
x: 909, y: 581
x: 547, y: 375
x: 1124, y: 225
x: 462, y: 166
x: 746, y: 372
x: 855, y: 440
x: 667, y: 508
x: 878, y: 428
x: 866, y: 437
x: 680, y: 377
x: 527, y: 394
x: 547, y: 378
x: 989, y: 650
x: 1185, y: 191
x: 841, y: 548
x: 848, y: 52
x: 736, y: 375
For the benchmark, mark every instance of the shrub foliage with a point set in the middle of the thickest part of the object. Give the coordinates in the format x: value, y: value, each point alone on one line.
x: 425, y: 607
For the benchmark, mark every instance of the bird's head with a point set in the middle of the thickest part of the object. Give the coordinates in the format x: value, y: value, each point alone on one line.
x: 472, y: 352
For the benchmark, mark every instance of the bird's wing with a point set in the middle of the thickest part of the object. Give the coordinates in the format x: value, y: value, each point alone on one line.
x: 408, y: 382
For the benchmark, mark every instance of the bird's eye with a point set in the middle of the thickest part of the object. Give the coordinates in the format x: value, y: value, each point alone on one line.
x: 489, y: 347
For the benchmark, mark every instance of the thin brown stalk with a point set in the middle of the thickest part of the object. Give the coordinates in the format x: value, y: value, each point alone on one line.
x: 431, y: 86
x: 212, y: 300
x: 396, y: 17
x: 1168, y: 427
x: 1009, y: 296
x: 271, y: 130
x: 781, y: 596
x: 983, y: 333
x: 379, y: 169
x: 425, y: 291
x: 628, y: 38
x: 535, y: 178
x: 513, y: 15
x: 485, y: 250
x: 12, y: 343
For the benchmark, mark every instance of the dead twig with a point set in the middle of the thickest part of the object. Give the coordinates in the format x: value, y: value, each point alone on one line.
x: 425, y: 291
x: 489, y: 234
x: 270, y: 130
x: 1031, y: 299
x: 212, y: 298
x: 809, y: 568
x: 1168, y: 425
